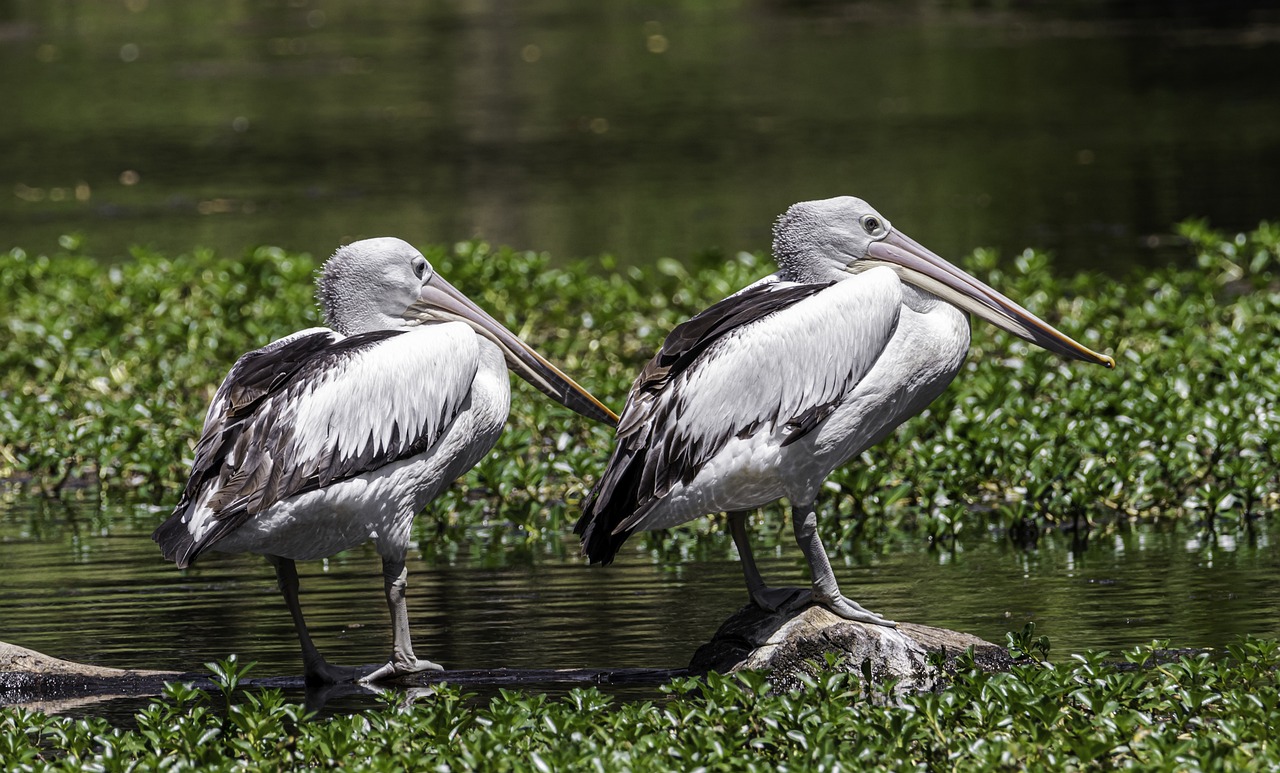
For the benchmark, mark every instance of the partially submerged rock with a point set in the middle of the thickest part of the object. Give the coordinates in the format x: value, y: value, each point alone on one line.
x: 787, y: 643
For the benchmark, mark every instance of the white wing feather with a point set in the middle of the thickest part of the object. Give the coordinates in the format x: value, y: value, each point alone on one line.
x: 350, y: 407
x: 798, y: 358
x: 414, y: 381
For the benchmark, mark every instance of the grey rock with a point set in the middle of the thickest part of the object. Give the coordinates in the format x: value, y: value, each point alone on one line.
x: 791, y: 642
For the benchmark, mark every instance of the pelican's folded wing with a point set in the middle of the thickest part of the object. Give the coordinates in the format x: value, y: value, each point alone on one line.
x: 777, y: 356
x: 312, y: 409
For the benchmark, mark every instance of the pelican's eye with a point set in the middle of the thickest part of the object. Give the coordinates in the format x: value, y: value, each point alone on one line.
x: 872, y: 225
x: 419, y: 266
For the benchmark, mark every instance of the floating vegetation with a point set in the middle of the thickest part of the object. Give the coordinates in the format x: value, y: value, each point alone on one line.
x: 1149, y: 712
x: 107, y: 371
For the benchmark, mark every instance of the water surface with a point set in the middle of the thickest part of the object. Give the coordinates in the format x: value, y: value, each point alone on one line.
x: 84, y: 582
x: 644, y: 130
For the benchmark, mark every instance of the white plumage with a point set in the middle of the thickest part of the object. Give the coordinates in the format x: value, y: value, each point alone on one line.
x: 326, y: 439
x: 737, y: 391
x: 405, y: 391
x: 762, y: 395
x: 390, y: 383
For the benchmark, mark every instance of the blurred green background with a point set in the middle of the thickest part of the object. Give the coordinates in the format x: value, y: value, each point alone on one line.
x: 639, y: 129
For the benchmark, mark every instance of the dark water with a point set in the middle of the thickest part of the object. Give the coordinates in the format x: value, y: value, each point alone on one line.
x: 83, y: 582
x: 643, y: 130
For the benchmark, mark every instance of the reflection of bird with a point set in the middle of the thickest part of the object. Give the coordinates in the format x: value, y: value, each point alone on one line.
x: 324, y: 439
x: 763, y: 394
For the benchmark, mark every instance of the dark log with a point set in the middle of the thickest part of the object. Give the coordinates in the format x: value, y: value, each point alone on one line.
x: 37, y: 681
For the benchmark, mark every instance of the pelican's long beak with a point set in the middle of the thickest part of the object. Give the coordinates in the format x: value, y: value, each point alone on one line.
x: 921, y: 267
x: 440, y: 301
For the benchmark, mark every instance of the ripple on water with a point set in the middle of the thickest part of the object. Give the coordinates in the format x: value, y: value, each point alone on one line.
x: 111, y: 600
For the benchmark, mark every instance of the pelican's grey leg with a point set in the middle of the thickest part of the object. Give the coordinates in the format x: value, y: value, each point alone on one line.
x: 804, y: 518
x: 403, y: 661
x: 316, y: 669
x: 768, y: 599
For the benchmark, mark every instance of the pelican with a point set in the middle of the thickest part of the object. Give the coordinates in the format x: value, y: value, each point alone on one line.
x: 328, y: 438
x: 763, y: 394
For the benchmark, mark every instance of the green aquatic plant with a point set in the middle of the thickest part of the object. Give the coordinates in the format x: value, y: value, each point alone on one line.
x: 106, y: 370
x: 1154, y: 710
x: 1025, y: 643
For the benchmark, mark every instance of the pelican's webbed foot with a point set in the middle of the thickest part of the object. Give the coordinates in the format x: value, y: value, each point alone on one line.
x: 398, y: 667
x: 851, y: 610
x: 316, y: 670
x: 826, y: 591
x: 403, y: 662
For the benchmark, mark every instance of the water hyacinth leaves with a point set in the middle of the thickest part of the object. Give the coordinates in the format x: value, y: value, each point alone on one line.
x: 1153, y: 713
x: 106, y: 371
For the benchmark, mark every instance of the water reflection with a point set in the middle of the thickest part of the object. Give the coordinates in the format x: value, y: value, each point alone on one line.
x: 94, y: 589
x: 582, y: 128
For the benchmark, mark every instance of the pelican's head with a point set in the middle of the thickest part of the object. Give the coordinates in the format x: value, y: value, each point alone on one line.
x: 368, y: 285
x: 819, y: 241
x: 385, y: 284
x: 832, y: 239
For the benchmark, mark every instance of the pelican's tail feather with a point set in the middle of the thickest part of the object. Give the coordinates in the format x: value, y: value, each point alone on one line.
x: 177, y: 543
x: 613, y: 508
